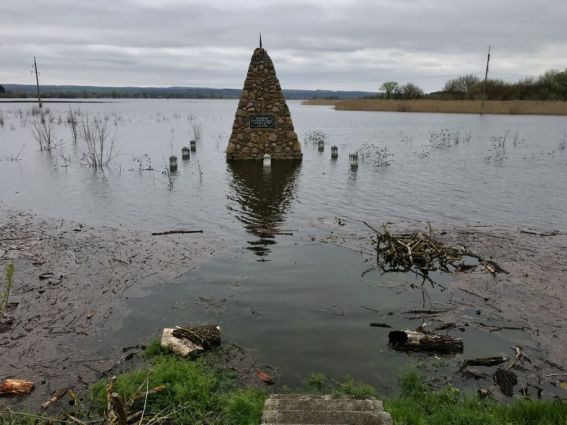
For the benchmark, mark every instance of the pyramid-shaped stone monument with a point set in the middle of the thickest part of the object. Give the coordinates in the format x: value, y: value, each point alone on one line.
x: 262, y: 124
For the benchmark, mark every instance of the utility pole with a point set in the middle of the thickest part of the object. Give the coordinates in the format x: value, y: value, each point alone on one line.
x: 37, y: 81
x: 485, y: 80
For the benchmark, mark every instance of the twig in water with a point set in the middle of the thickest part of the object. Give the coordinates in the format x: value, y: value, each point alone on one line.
x: 171, y: 232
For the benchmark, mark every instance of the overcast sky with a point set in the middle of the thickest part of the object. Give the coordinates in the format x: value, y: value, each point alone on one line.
x: 315, y: 44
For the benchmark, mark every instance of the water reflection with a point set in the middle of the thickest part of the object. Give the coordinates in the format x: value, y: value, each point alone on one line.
x: 263, y: 195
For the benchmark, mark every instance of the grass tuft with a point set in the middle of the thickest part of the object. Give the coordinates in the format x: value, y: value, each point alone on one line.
x: 321, y: 384
x: 420, y: 405
x: 193, y: 394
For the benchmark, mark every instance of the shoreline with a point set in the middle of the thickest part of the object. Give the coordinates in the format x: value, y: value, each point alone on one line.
x: 72, y: 283
x: 492, y: 107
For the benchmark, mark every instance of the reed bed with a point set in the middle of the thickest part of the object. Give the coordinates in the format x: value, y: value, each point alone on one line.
x: 505, y: 107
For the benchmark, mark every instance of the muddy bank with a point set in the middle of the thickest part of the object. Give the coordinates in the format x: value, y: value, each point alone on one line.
x: 72, y: 283
x: 527, y: 304
x: 70, y: 286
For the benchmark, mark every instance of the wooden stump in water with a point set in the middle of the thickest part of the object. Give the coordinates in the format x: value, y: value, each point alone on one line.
x: 417, y: 341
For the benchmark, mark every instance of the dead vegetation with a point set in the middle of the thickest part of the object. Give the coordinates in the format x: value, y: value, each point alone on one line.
x: 98, y: 140
x: 44, y: 129
x: 506, y: 107
x: 420, y: 253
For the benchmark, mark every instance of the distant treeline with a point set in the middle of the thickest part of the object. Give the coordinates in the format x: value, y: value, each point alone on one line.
x: 552, y: 85
x: 16, y: 91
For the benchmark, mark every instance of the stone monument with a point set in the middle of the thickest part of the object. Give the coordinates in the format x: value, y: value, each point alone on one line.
x: 262, y: 124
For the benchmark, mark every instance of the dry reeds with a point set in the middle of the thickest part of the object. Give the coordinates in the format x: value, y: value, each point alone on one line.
x: 506, y: 107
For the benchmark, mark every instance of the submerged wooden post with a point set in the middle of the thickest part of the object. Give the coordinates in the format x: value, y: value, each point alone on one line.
x: 37, y: 82
x: 334, y: 152
x: 185, y: 153
x: 173, y: 163
x: 193, y: 144
x: 321, y: 145
x: 353, y: 158
x: 485, y: 82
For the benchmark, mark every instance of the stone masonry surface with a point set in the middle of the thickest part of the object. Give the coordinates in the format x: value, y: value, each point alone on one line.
x: 262, y: 124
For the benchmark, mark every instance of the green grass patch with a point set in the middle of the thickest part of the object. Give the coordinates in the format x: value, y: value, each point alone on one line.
x: 320, y: 383
x: 193, y: 394
x: 420, y: 405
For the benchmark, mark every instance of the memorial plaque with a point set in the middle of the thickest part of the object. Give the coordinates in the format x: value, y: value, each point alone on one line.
x: 262, y: 121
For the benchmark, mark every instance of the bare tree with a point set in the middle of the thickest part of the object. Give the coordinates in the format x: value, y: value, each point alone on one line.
x: 98, y: 140
x: 461, y: 87
x: 44, y: 129
x: 411, y: 91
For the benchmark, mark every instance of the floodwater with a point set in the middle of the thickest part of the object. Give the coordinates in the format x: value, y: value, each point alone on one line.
x: 446, y: 183
x: 308, y: 310
x: 303, y: 307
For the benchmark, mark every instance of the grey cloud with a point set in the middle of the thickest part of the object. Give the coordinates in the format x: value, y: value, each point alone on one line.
x: 335, y: 44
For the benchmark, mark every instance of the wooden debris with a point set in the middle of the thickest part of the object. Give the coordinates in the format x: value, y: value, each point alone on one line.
x: 116, y: 411
x: 15, y: 387
x: 519, y: 357
x: 426, y: 342
x: 185, y: 341
x: 492, y: 267
x: 421, y: 253
x: 484, y: 361
x: 173, y: 232
x: 506, y: 380
x: 55, y: 397
x: 473, y: 373
x: 543, y: 234
x: 379, y: 325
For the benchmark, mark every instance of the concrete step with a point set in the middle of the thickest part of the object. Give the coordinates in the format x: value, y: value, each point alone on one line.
x: 298, y: 409
x: 303, y: 402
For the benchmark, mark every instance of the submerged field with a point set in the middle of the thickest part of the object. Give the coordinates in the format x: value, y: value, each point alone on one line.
x: 285, y: 264
x: 499, y: 107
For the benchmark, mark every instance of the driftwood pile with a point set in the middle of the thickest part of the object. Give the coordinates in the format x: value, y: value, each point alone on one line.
x: 421, y: 253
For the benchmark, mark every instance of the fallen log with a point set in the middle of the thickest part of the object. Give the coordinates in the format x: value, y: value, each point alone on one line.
x: 172, y: 232
x: 185, y: 341
x: 484, y: 361
x: 473, y: 373
x: 427, y: 342
x: 15, y: 387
